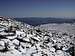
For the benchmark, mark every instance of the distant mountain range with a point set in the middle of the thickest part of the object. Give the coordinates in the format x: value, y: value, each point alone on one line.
x: 38, y: 20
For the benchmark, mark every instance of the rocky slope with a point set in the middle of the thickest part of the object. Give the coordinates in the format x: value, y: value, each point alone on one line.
x: 20, y: 39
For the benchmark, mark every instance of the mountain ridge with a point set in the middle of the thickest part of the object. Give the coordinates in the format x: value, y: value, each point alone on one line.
x: 38, y: 20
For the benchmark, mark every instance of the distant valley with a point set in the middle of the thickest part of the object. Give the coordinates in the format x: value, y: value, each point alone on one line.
x: 38, y: 20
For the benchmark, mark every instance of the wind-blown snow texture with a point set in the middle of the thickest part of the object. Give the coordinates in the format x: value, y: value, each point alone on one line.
x: 20, y: 39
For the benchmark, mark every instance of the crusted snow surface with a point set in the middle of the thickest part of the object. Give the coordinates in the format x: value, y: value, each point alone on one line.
x: 17, y: 39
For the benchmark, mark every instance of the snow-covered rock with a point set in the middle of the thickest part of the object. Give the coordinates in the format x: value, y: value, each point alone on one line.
x: 60, y: 53
x: 52, y: 49
x: 11, y: 37
x: 15, y: 42
x: 20, y: 33
x: 36, y: 39
x: 2, y: 45
x: 26, y: 39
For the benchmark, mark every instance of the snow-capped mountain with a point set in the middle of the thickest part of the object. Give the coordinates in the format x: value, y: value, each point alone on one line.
x: 21, y: 39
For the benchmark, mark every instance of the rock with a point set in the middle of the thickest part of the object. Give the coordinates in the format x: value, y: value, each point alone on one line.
x: 52, y: 49
x: 35, y: 39
x: 15, y: 42
x: 10, y: 45
x: 20, y: 33
x: 2, y: 45
x: 19, y: 37
x: 21, y: 49
x: 59, y: 53
x: 59, y: 45
x: 5, y: 40
x: 26, y: 39
x: 65, y: 48
x: 23, y: 44
x: 11, y: 37
x: 29, y: 35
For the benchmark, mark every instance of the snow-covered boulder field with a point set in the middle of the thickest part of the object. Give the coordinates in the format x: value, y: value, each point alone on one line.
x: 20, y: 39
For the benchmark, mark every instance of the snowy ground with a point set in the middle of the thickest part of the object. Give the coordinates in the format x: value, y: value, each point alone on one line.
x: 65, y: 27
x: 17, y: 39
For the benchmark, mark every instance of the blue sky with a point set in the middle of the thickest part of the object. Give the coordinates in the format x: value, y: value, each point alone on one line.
x: 37, y: 8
